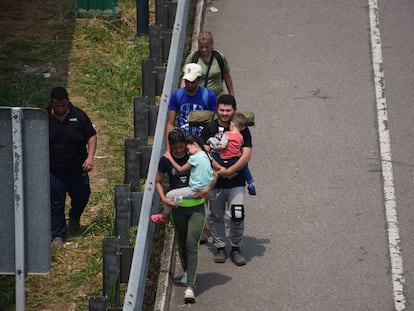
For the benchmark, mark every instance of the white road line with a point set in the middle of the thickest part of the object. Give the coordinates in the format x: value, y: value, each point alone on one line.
x: 386, y: 163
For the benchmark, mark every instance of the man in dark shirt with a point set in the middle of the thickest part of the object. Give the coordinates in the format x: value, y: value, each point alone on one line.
x: 72, y: 146
x: 229, y: 189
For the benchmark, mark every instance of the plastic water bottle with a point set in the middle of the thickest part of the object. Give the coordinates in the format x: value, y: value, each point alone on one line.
x: 219, y: 135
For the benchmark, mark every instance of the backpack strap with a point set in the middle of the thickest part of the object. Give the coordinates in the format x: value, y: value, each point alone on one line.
x: 220, y: 61
x: 204, y: 95
x: 195, y: 57
x: 216, y: 55
x: 179, y: 94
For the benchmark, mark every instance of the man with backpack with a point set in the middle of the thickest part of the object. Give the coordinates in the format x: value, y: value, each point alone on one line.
x: 189, y: 98
x: 214, y: 66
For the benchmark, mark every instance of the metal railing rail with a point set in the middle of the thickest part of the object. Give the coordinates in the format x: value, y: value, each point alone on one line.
x: 139, y: 267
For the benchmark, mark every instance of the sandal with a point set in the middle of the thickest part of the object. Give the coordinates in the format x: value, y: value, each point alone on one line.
x: 189, y: 296
x: 159, y: 219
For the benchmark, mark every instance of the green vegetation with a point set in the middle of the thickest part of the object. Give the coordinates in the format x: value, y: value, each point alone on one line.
x: 101, y: 68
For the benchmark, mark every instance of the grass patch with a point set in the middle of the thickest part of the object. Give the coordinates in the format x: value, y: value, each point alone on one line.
x: 101, y: 69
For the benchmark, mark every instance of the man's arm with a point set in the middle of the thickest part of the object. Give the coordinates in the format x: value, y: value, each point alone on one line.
x: 92, y: 143
x: 203, y: 193
x: 178, y: 167
x: 242, y: 162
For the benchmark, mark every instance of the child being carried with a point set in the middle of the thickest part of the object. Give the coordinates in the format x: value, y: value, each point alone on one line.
x: 201, y: 176
x: 227, y: 148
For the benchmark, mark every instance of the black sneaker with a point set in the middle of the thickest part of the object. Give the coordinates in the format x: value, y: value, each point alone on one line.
x: 237, y: 258
x: 220, y: 256
x: 74, y: 226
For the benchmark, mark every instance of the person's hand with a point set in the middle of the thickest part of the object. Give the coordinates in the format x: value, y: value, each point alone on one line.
x: 224, y: 172
x: 202, y: 193
x: 87, y: 166
x: 167, y: 155
x: 170, y: 202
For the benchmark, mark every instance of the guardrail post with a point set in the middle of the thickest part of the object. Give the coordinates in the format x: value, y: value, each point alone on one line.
x: 142, y: 17
x: 166, y: 44
x: 97, y: 303
x: 152, y: 120
x: 136, y: 202
x: 160, y: 78
x: 148, y: 78
x: 122, y: 213
x: 133, y: 167
x: 141, y: 119
x: 156, y: 43
x: 171, y: 11
x: 111, y: 269
x: 160, y: 14
x: 126, y: 260
x: 145, y: 159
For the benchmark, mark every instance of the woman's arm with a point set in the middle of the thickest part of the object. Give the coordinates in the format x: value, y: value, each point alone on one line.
x: 229, y: 83
x: 160, y: 190
x: 178, y: 167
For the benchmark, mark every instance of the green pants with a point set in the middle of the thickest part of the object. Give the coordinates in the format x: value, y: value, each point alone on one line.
x: 189, y: 224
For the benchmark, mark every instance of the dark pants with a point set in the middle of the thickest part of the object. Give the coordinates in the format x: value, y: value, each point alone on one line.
x: 78, y: 189
x: 189, y: 225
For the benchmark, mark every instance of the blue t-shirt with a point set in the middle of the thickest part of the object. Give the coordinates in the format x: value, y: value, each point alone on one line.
x: 188, y: 103
x: 201, y: 173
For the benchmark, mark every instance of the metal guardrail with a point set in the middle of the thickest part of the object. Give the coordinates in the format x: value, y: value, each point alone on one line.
x: 139, y: 267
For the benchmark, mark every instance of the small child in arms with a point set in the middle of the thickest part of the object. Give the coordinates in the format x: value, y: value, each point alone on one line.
x: 227, y: 150
x: 201, y: 175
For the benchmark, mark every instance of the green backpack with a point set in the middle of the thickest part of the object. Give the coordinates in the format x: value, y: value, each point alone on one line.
x: 201, y: 117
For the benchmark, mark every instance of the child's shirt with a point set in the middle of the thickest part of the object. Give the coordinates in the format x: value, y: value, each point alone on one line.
x: 233, y: 142
x: 201, y: 173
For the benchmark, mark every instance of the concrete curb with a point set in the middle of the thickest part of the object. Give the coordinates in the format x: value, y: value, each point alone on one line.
x: 198, y: 23
x: 166, y: 276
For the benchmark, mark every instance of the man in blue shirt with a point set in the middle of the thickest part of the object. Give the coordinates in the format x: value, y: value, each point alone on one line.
x: 191, y: 97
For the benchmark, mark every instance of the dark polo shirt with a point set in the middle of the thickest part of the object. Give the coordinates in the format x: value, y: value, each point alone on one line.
x: 68, y: 140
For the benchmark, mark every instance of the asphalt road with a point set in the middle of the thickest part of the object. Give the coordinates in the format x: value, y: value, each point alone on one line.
x: 316, y: 234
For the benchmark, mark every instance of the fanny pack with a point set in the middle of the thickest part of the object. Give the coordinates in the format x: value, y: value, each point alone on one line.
x: 187, y: 202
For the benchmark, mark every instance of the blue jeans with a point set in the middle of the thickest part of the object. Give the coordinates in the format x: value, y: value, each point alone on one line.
x: 78, y: 189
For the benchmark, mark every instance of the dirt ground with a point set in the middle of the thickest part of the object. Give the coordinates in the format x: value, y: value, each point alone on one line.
x: 27, y: 23
x: 23, y: 23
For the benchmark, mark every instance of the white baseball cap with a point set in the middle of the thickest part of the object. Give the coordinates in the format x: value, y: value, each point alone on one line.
x: 192, y: 71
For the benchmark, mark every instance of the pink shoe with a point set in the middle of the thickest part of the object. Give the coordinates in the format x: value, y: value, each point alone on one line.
x: 159, y: 219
